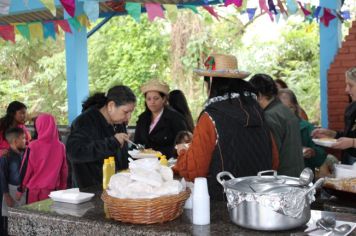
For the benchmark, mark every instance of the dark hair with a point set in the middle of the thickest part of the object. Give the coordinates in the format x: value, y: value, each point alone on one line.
x: 13, y: 133
x: 178, y: 101
x: 120, y: 94
x: 7, y: 121
x: 162, y: 95
x: 180, y: 136
x: 293, y: 99
x: 264, y: 85
x: 281, y: 83
x: 221, y: 86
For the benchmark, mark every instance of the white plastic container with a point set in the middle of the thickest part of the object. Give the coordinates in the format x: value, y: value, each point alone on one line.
x: 344, y: 171
x: 201, y: 202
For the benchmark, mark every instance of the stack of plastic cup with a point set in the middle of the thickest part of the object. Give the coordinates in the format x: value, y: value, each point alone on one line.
x: 201, y: 202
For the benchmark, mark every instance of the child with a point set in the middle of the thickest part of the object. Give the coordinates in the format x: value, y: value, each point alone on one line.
x: 10, y: 172
x: 45, y: 170
x: 183, y: 138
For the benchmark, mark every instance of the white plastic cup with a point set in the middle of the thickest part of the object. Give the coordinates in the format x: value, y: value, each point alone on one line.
x: 201, y: 202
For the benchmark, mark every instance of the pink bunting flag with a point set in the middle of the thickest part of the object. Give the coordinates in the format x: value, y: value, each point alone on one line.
x: 327, y: 17
x: 154, y: 10
x: 7, y: 32
x: 69, y: 6
x: 64, y: 25
x: 264, y: 8
x: 237, y: 3
x: 211, y: 11
x: 305, y: 11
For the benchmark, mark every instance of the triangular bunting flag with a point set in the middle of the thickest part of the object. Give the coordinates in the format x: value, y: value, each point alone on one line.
x: 345, y: 15
x: 64, y: 25
x: 264, y: 8
x: 292, y: 7
x: 134, y: 10
x: 154, y: 10
x: 24, y: 31
x: 191, y: 7
x: 7, y: 32
x: 83, y: 20
x: 305, y: 11
x: 281, y: 7
x: 75, y: 23
x: 327, y: 17
x: 50, y: 4
x: 171, y: 11
x: 272, y: 7
x: 238, y: 3
x: 251, y: 13
x: 49, y: 30
x: 211, y: 11
x: 36, y: 30
x: 317, y: 12
x: 278, y: 16
x: 91, y: 9
x: 69, y: 6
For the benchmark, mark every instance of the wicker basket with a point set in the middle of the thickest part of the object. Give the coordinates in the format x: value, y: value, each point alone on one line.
x: 146, y: 211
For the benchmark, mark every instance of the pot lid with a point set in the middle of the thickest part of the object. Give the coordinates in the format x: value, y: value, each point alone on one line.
x: 264, y: 183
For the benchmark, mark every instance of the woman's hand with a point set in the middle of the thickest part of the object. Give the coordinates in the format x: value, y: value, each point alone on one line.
x: 121, y: 138
x: 323, y: 133
x: 182, y: 146
x: 308, y: 152
x: 344, y: 143
x: 9, y: 200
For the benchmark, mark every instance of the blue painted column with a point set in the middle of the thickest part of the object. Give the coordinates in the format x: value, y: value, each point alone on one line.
x: 330, y: 42
x: 77, y: 67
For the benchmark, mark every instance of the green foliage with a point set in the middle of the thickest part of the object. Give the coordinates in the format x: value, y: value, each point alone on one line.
x: 125, y: 52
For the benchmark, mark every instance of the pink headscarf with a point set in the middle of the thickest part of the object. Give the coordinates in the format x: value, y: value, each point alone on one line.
x: 47, y: 166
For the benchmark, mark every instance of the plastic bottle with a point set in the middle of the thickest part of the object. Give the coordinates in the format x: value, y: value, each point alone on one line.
x: 163, y: 160
x: 201, y: 202
x: 106, y: 173
x: 112, y: 166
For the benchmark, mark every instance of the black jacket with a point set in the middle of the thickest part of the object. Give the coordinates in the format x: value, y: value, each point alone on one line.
x: 243, y: 141
x: 164, y: 133
x: 91, y: 140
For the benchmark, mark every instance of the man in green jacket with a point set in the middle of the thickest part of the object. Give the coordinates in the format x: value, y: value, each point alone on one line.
x: 283, y: 124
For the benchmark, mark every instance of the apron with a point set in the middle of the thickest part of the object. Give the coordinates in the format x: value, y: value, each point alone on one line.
x: 12, y: 192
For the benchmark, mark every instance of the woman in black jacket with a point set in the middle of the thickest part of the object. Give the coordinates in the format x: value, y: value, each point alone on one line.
x: 346, y: 140
x: 100, y: 132
x: 159, y: 124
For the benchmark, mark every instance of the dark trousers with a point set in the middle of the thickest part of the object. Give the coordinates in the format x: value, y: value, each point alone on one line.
x: 3, y: 226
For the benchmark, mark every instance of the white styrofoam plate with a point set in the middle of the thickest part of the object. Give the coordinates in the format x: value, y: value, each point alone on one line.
x: 324, y: 142
x: 71, y: 196
x: 136, y: 154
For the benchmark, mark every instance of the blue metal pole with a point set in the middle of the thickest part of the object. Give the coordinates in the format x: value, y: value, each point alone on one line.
x: 330, y: 42
x: 77, y: 67
x: 101, y: 24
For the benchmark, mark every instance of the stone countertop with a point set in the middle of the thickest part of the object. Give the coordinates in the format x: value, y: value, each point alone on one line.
x: 54, y: 218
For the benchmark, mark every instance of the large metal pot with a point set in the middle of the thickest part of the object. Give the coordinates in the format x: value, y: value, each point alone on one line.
x: 266, y: 202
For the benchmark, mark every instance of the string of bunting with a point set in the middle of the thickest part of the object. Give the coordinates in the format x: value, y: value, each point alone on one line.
x: 49, y: 29
x: 43, y: 30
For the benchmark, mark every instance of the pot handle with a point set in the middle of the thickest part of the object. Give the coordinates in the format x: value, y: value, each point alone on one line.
x: 317, y: 184
x: 259, y: 174
x: 219, y: 177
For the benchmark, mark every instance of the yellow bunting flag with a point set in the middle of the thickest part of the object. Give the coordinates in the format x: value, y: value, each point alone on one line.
x: 171, y: 11
x: 83, y: 20
x: 50, y: 5
x: 36, y: 30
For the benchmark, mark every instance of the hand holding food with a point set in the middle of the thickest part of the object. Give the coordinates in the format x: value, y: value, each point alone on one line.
x: 344, y: 143
x: 308, y: 152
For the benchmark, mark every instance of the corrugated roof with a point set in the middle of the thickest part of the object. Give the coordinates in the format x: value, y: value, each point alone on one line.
x: 46, y: 15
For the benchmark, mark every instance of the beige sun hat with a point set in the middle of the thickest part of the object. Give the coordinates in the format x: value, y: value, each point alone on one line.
x: 155, y: 85
x: 221, y: 65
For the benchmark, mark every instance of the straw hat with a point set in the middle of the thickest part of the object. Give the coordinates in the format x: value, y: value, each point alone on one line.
x: 155, y: 85
x: 221, y: 65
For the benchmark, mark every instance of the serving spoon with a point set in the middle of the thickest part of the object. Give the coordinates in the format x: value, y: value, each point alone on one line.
x: 340, y: 230
x: 139, y: 147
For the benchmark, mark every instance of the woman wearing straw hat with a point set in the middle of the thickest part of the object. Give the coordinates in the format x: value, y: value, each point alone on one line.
x: 231, y: 134
x: 159, y: 124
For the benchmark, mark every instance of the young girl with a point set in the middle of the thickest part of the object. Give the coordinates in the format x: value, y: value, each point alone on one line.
x: 45, y: 169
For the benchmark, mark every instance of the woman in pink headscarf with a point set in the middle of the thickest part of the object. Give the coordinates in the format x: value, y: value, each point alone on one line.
x: 44, y: 167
